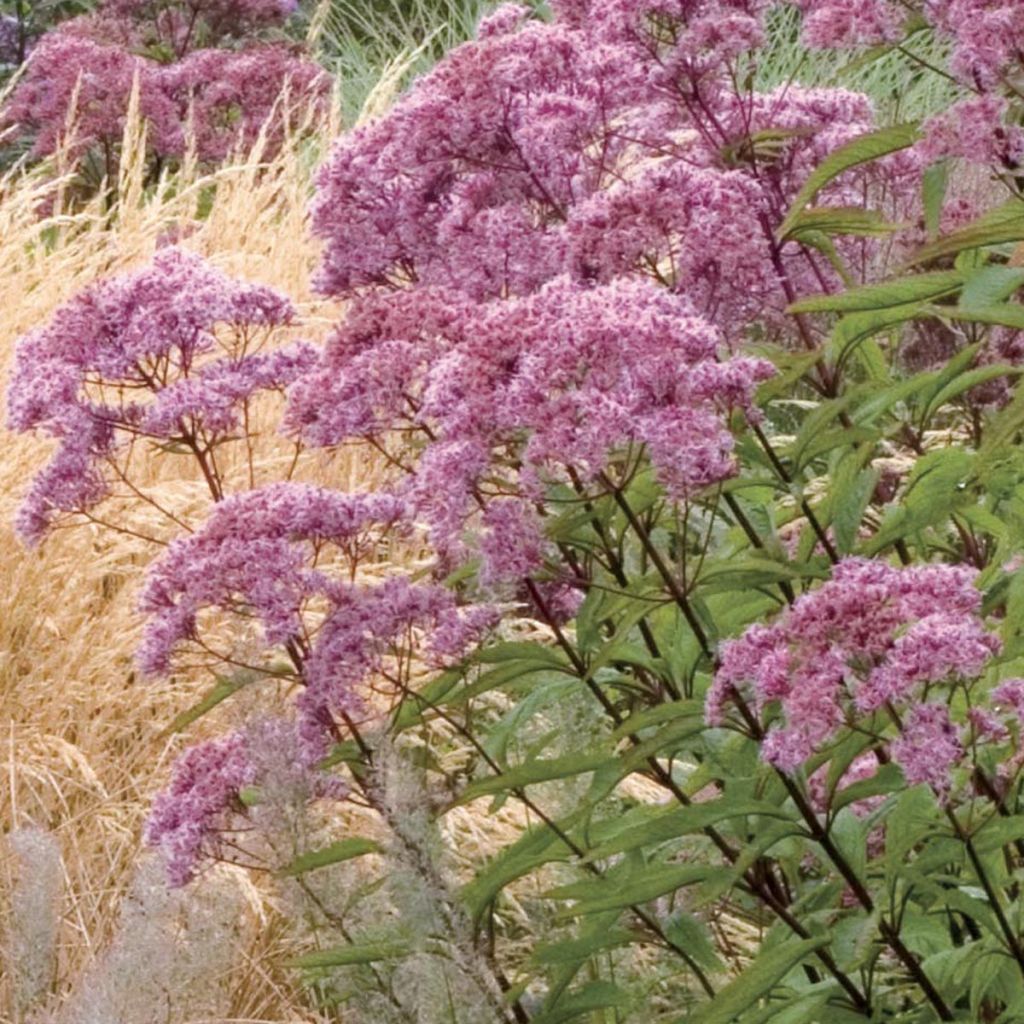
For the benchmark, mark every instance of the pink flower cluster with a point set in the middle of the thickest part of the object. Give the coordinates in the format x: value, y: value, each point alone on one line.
x: 987, y: 40
x: 182, y: 25
x: 267, y: 555
x: 170, y: 353
x: 553, y: 245
x: 873, y: 637
x: 189, y: 820
x: 227, y: 96
x: 838, y: 23
x: 560, y: 377
x: 205, y: 785
x: 591, y: 146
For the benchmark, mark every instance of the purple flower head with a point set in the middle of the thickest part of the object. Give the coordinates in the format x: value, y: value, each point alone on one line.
x: 512, y: 542
x: 289, y: 557
x: 174, y: 54
x: 188, y: 818
x: 872, y: 637
x: 928, y: 747
x: 179, y: 24
x: 838, y: 23
x: 204, y: 786
x: 159, y: 334
x: 232, y: 98
x: 256, y: 552
x: 562, y: 377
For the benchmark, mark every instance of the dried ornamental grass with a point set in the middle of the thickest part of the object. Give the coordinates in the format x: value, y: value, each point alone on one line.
x: 84, y: 745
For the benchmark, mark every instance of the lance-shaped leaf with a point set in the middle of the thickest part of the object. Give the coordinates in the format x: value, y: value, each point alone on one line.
x: 887, y: 294
x: 838, y: 220
x: 1004, y: 224
x: 350, y: 955
x: 756, y: 981
x: 336, y: 853
x: 860, y: 150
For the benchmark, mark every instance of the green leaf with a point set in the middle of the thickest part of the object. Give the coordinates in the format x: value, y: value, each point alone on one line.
x: 731, y: 574
x: 839, y: 220
x: 645, y: 884
x: 990, y: 286
x: 658, y: 715
x: 871, y: 297
x: 966, y: 381
x: 999, y: 832
x: 688, y: 933
x: 857, y: 327
x: 1001, y: 432
x: 850, y: 500
x: 573, y: 951
x: 880, y: 402
x: 933, y: 195
x: 410, y: 712
x: 539, y: 770
x: 1003, y: 224
x: 336, y: 853
x: 1000, y: 314
x: 683, y: 821
x: 767, y: 970
x: 522, y: 651
x: 533, y: 849
x: 219, y: 692
x: 860, y: 150
x: 909, y: 823
x: 595, y: 995
x: 350, y: 955
x: 888, y: 779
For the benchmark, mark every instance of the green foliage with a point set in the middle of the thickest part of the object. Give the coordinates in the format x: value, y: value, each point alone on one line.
x: 725, y: 893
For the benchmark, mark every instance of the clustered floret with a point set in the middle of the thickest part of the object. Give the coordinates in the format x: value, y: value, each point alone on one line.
x: 873, y: 638
x: 169, y: 353
x: 551, y: 251
x: 265, y: 761
x: 552, y: 246
x: 268, y: 555
x: 196, y: 88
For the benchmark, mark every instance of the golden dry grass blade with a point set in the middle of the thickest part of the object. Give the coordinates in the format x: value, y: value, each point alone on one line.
x: 82, y: 746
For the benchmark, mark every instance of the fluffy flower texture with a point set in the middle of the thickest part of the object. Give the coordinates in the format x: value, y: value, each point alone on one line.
x: 512, y: 544
x: 99, y: 79
x: 836, y: 23
x: 561, y: 377
x: 135, y: 355
x: 232, y: 99
x: 182, y: 21
x: 872, y: 635
x: 215, y: 395
x: 256, y: 552
x: 987, y: 36
x: 928, y: 747
x: 1008, y: 696
x: 226, y: 97
x: 365, y: 628
x: 976, y: 130
x: 186, y: 820
x: 266, y: 555
x: 583, y: 147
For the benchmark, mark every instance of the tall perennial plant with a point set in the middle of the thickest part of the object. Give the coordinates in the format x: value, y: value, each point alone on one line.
x: 704, y: 403
x: 212, y: 77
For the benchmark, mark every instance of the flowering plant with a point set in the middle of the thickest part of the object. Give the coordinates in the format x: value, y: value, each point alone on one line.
x: 212, y: 77
x: 698, y: 406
